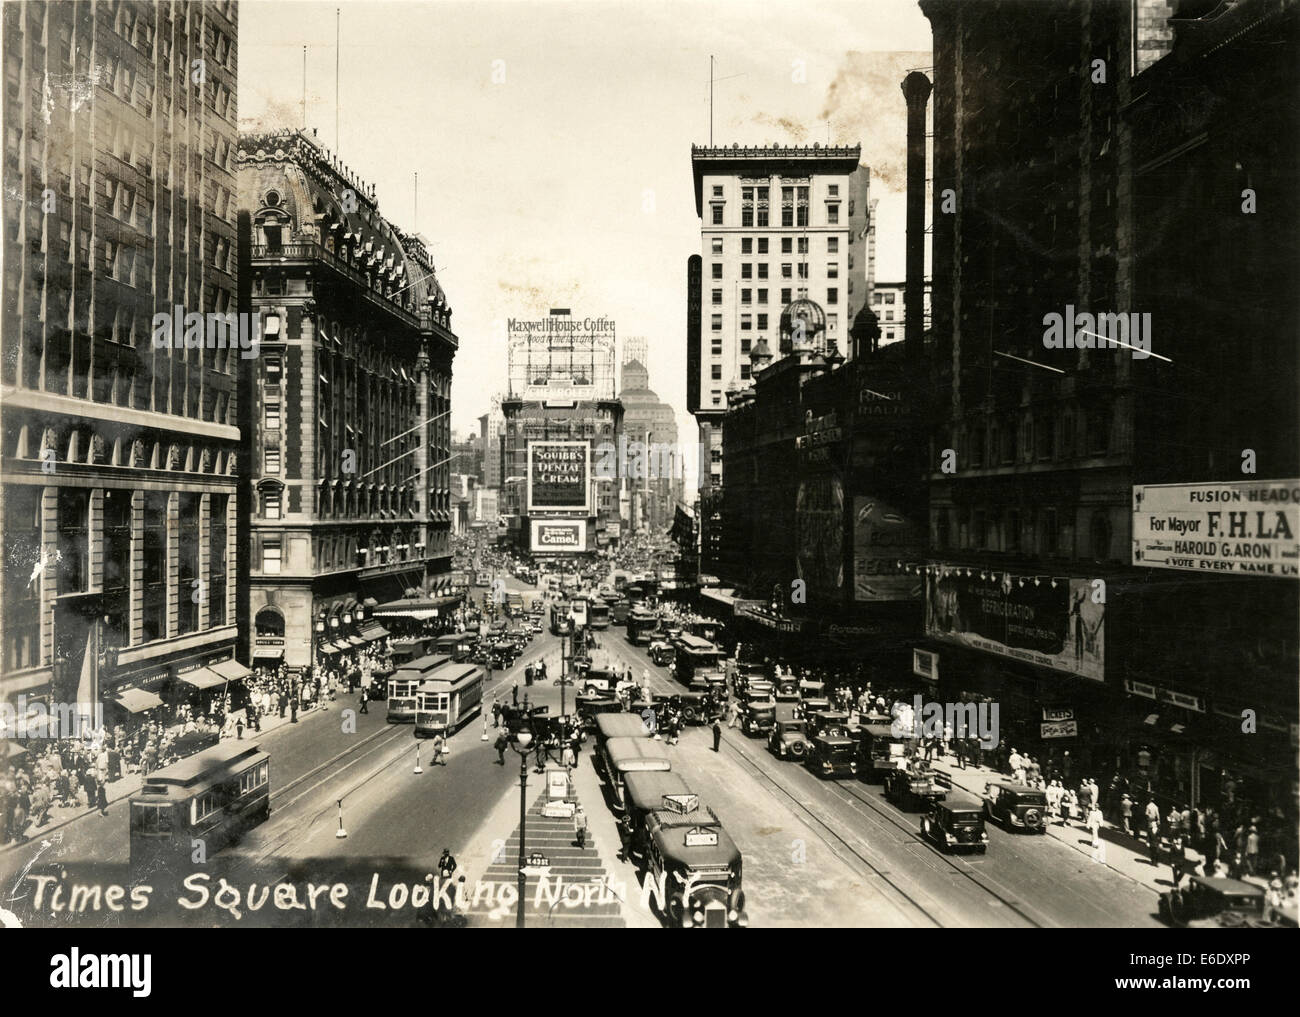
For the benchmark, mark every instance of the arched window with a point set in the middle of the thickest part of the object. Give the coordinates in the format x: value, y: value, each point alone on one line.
x: 269, y: 622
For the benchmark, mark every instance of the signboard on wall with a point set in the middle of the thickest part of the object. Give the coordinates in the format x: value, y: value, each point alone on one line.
x: 1060, y: 729
x: 559, y: 476
x: 1052, y: 623
x: 925, y: 664
x: 882, y: 537
x: 559, y: 535
x: 819, y: 522
x: 1239, y: 528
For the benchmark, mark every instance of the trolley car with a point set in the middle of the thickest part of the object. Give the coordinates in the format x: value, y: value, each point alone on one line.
x: 404, y: 686
x: 213, y: 796
x: 447, y: 698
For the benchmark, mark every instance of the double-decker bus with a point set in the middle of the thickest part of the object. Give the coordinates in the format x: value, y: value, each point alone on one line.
x: 640, y: 623
x: 214, y: 795
x: 447, y: 698
x: 404, y: 685
x: 598, y: 614
x: 561, y: 615
x: 696, y: 656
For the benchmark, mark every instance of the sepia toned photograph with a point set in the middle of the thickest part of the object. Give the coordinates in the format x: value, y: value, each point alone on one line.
x: 584, y: 464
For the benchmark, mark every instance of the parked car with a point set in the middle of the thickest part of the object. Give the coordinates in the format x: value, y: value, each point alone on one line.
x: 1016, y: 806
x: 757, y: 713
x: 661, y: 653
x: 955, y: 824
x: 1215, y: 903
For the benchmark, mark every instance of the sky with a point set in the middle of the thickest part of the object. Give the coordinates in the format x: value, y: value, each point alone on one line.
x: 552, y: 139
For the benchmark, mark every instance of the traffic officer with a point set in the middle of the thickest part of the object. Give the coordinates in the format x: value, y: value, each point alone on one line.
x: 717, y: 734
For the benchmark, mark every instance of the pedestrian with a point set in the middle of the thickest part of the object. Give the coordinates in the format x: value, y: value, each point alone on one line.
x: 1177, y: 857
x: 239, y: 728
x: 101, y: 797
x: 1252, y: 851
x: 496, y: 713
x: 1153, y: 831
x: 580, y: 827
x: 514, y: 693
x: 1126, y: 814
x: 567, y: 758
x: 500, y: 746
x: 717, y: 734
x: 959, y: 746
x: 365, y: 701
x: 1094, y: 824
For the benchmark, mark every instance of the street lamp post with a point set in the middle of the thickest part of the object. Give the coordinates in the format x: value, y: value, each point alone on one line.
x: 523, y: 738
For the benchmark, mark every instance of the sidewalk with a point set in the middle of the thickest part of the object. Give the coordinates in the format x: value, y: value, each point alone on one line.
x: 130, y: 783
x: 1119, y: 852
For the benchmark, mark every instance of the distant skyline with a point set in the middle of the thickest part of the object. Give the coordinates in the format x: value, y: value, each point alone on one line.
x: 566, y: 181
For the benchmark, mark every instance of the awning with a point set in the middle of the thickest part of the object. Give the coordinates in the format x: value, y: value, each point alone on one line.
x: 370, y: 602
x: 231, y: 669
x: 268, y: 653
x: 725, y: 597
x: 373, y: 632
x: 355, y: 641
x: 418, y: 609
x: 328, y: 648
x: 202, y: 678
x: 137, y: 700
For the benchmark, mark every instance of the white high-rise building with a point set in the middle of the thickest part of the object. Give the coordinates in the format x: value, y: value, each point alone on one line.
x: 776, y: 225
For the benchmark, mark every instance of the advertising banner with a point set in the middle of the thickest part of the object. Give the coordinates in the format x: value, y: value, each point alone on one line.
x: 1240, y: 528
x: 819, y: 522
x: 881, y: 538
x: 925, y: 664
x: 561, y: 535
x: 559, y: 476
x: 1052, y: 624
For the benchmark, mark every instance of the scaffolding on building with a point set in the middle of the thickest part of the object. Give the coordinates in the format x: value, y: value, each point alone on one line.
x: 560, y: 358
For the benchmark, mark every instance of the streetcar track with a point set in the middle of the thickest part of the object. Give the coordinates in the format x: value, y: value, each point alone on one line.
x: 849, y: 795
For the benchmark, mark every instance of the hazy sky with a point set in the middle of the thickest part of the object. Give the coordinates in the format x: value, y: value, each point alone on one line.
x: 568, y: 183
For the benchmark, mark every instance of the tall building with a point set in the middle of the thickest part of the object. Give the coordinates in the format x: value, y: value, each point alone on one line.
x: 118, y: 457
x: 560, y: 492
x: 653, y: 479
x: 777, y: 225
x: 348, y: 427
x: 888, y: 304
x: 490, y: 426
x: 1044, y: 451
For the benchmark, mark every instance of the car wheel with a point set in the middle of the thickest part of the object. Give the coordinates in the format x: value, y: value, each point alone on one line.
x: 798, y: 749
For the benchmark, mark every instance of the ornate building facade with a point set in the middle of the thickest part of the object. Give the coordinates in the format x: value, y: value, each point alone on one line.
x: 119, y: 451
x: 348, y: 426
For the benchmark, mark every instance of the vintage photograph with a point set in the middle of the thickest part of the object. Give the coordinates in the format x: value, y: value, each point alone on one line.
x: 591, y: 464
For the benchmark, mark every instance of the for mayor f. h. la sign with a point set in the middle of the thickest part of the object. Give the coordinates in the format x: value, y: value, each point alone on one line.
x: 1246, y: 528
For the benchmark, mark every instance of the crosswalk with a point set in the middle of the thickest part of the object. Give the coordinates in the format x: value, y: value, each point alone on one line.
x: 565, y: 886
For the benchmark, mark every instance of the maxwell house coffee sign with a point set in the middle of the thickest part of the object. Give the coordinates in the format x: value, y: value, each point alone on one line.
x: 558, y: 475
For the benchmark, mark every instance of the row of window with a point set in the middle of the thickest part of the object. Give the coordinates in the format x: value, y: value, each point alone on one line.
x: 755, y: 212
x: 77, y: 534
x: 748, y: 245
x: 1025, y: 438
x: 1043, y: 531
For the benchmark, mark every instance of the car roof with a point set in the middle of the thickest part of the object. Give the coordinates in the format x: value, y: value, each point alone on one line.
x: 1222, y: 884
x: 961, y: 803
x: 1019, y: 789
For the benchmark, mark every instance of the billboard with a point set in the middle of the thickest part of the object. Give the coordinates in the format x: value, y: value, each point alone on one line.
x: 1238, y: 528
x: 559, y: 476
x: 881, y: 538
x: 559, y: 535
x: 819, y: 522
x: 1050, y: 623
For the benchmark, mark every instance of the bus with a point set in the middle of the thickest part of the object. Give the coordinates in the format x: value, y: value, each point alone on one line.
x: 640, y: 623
x: 561, y: 616
x: 213, y: 796
x: 620, y: 725
x: 696, y: 656
x: 598, y: 614
x: 404, y: 685
x: 621, y: 756
x: 687, y: 841
x: 447, y: 698
x: 456, y: 645
x: 644, y: 793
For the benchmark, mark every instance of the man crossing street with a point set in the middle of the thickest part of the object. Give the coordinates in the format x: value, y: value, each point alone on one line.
x: 717, y: 734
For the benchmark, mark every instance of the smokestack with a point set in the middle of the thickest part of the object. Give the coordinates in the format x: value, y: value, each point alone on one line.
x: 916, y: 90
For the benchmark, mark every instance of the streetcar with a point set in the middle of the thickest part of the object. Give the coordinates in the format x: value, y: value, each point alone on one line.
x: 447, y: 699
x: 621, y: 756
x: 598, y: 614
x: 404, y: 685
x: 213, y: 796
x: 578, y: 611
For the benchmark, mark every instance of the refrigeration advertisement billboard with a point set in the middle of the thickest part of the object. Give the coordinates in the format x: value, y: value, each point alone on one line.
x: 559, y: 476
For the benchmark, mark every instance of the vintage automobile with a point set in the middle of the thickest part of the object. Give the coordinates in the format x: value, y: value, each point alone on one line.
x: 822, y: 720
x: 1216, y: 903
x: 955, y: 824
x: 832, y: 753
x: 786, y: 689
x: 810, y: 690
x: 1016, y: 806
x: 696, y: 707
x: 591, y: 705
x: 807, y: 707
x: 914, y: 783
x: 788, y: 738
x: 757, y: 713
x: 661, y: 653
x: 599, y: 679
